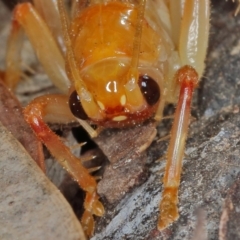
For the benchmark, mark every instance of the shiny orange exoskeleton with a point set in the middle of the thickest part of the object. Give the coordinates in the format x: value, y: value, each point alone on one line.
x: 118, y: 63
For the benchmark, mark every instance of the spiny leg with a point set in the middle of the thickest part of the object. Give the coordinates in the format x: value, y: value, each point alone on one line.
x: 54, y: 108
x: 188, y: 78
x: 192, y: 50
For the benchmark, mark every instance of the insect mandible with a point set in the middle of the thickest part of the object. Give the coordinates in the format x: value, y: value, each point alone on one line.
x: 118, y: 63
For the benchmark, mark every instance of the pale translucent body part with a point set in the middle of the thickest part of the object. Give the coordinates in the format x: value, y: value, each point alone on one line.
x: 162, y: 9
x: 57, y: 110
x: 158, y: 16
x: 44, y: 44
x: 13, y: 57
x: 133, y: 93
x: 49, y: 12
x: 38, y: 210
x: 194, y: 34
x: 175, y: 15
x: 88, y: 128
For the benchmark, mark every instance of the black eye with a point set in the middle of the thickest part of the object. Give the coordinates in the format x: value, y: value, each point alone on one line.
x: 76, y: 106
x: 149, y: 89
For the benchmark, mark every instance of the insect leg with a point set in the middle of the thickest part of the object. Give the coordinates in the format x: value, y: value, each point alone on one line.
x: 192, y: 50
x: 175, y: 15
x: 43, y: 42
x: 194, y: 34
x: 188, y: 79
x: 13, y: 56
x: 51, y: 108
x: 48, y: 10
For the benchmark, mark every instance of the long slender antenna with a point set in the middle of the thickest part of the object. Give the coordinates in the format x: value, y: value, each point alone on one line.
x: 133, y: 92
x: 74, y: 74
x: 138, y: 35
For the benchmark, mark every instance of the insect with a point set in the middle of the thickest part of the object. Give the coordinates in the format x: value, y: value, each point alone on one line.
x: 118, y: 63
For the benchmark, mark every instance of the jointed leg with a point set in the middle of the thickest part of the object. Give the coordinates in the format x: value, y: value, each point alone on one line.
x: 188, y: 79
x: 175, y: 15
x: 192, y: 48
x: 13, y: 57
x: 48, y: 10
x: 194, y: 34
x: 55, y: 107
x: 48, y: 53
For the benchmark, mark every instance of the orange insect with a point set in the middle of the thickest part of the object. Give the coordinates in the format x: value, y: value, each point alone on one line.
x: 118, y: 63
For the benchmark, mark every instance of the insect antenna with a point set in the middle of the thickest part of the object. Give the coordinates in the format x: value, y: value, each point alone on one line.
x: 73, y: 72
x: 138, y: 35
x: 133, y: 92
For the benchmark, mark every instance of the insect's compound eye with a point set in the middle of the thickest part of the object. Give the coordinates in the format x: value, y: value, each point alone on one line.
x: 76, y: 106
x: 149, y: 89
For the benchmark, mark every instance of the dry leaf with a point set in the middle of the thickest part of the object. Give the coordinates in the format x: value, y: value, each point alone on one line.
x: 11, y: 117
x: 31, y: 206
